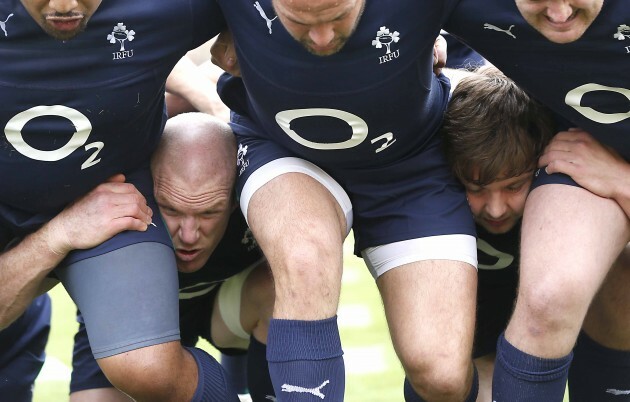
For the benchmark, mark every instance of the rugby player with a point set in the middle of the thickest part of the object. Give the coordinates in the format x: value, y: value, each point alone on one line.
x: 572, y: 55
x: 225, y: 288
x: 83, y: 111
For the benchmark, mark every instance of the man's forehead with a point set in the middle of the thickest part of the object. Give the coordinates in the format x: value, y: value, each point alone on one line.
x: 313, y: 8
x: 504, y: 179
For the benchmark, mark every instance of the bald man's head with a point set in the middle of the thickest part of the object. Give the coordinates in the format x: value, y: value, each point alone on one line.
x: 194, y: 169
x: 196, y: 145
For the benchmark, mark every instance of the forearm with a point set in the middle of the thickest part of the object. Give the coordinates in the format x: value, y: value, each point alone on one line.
x: 191, y: 84
x: 622, y: 192
x: 23, y: 269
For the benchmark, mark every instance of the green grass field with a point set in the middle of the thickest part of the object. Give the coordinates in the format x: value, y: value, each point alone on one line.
x: 373, y: 371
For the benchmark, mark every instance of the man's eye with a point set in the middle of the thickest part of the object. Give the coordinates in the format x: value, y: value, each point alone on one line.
x: 515, y: 189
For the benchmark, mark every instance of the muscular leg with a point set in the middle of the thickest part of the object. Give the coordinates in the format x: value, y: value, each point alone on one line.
x: 607, y: 319
x: 300, y: 228
x: 430, y: 310
x: 256, y: 312
x: 241, y: 314
x: 601, y: 365
x: 485, y: 367
x: 134, y: 332
x: 99, y: 395
x: 570, y: 238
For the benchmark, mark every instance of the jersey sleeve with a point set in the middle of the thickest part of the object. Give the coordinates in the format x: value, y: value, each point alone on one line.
x: 207, y: 20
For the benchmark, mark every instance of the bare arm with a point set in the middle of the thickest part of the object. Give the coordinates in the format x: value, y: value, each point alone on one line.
x: 22, y: 272
x: 193, y: 88
x: 592, y: 165
x: 109, y: 209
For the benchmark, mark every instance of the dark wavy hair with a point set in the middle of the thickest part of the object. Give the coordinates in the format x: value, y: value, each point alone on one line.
x: 493, y: 128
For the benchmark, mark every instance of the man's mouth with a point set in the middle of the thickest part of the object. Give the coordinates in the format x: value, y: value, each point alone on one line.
x: 65, y: 23
x: 496, y: 223
x: 187, y: 255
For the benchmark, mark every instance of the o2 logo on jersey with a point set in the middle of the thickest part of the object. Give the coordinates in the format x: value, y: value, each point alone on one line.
x: 13, y: 132
x: 574, y: 99
x: 504, y: 260
x: 358, y: 125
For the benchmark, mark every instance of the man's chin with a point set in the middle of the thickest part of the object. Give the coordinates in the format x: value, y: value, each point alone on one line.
x: 188, y: 266
x: 497, y: 228
x: 63, y: 35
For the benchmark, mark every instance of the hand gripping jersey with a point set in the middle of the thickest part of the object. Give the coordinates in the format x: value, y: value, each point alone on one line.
x: 371, y: 104
x: 585, y: 81
x: 74, y: 113
x: 236, y: 252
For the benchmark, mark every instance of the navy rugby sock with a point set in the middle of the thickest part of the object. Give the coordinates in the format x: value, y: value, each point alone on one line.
x: 412, y: 396
x: 260, y: 386
x: 598, y: 373
x: 236, y: 369
x: 306, y: 360
x: 520, y: 377
x: 212, y: 383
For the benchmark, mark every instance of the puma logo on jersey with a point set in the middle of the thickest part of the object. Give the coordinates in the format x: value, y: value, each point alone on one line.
x: 264, y: 15
x: 496, y: 28
x: 618, y: 391
x: 3, y: 25
x: 313, y: 391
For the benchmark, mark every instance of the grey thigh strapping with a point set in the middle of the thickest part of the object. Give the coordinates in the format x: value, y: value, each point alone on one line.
x: 128, y: 297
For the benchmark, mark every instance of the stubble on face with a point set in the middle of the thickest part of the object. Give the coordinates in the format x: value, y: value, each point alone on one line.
x: 62, y: 20
x: 301, y: 16
x: 560, y: 27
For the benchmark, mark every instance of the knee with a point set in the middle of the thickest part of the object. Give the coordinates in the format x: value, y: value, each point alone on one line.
x: 442, y: 379
x: 308, y: 266
x: 147, y: 374
x: 553, y: 308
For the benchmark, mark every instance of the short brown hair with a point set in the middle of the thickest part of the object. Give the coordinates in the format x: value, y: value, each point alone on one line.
x: 493, y: 127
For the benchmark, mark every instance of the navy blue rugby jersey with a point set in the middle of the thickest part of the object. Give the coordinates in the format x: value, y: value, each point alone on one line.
x: 587, y: 81
x: 498, y: 256
x: 75, y: 112
x: 236, y: 252
x: 372, y: 103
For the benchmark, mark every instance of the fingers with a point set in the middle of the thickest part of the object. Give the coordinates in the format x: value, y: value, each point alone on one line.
x: 128, y: 223
x: 117, y: 187
x: 117, y: 178
x: 223, y: 53
x: 439, y: 51
x: 560, y: 166
x: 138, y: 211
x: 573, y: 134
x: 118, y: 200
